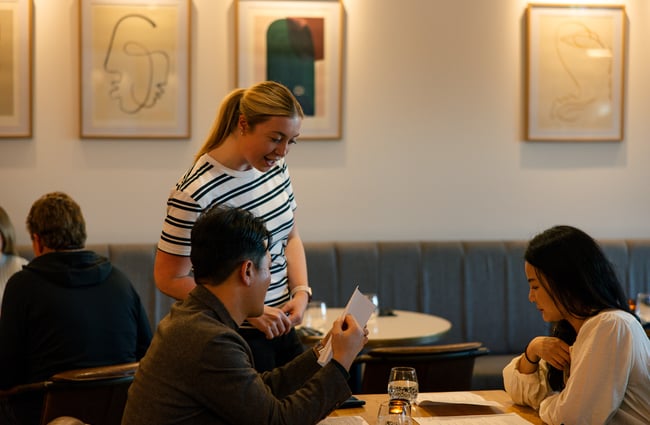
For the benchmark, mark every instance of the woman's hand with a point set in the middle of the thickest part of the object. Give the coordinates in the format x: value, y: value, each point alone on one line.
x: 295, y: 308
x: 273, y: 322
x: 553, y: 350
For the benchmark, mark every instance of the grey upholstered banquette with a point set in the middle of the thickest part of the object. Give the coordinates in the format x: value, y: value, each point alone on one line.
x: 479, y: 286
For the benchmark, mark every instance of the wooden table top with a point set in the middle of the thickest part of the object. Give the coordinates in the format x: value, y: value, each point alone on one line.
x: 369, y: 410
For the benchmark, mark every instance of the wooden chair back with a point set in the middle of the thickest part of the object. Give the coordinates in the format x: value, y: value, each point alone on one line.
x: 95, y: 395
x: 443, y: 367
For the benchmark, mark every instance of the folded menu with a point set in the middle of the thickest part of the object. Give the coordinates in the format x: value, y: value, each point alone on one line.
x: 498, y: 419
x: 456, y: 397
x: 361, y: 308
x: 343, y: 420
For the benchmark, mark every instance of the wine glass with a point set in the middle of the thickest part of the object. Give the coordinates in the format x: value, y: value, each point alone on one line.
x: 642, y: 308
x: 375, y: 300
x: 394, y: 412
x: 316, y: 316
x: 403, y: 384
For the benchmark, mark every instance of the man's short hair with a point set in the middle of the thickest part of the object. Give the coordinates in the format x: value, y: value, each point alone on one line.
x: 57, y: 220
x: 222, y: 238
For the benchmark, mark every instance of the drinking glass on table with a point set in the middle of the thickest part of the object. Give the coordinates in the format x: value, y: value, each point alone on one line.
x: 394, y: 412
x: 403, y: 384
x: 642, y: 308
x: 316, y: 316
x: 375, y: 300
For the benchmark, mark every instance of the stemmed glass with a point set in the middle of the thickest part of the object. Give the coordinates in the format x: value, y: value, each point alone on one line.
x: 375, y: 300
x: 316, y: 316
x: 403, y: 384
x: 643, y: 307
x: 394, y: 412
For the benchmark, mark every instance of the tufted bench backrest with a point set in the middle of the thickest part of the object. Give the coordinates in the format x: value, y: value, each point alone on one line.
x: 479, y: 286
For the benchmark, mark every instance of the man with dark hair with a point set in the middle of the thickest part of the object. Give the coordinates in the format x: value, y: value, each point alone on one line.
x: 68, y: 308
x: 199, y: 369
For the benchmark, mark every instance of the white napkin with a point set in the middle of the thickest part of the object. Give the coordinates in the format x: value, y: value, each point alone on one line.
x: 358, y: 306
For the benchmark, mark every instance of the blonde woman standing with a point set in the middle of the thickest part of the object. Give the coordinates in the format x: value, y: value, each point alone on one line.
x: 242, y: 164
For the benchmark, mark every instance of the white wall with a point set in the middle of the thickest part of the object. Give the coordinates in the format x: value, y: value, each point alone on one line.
x: 432, y: 122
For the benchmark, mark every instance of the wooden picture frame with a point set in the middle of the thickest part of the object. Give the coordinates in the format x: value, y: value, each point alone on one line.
x: 575, y: 67
x: 299, y: 44
x: 134, y: 68
x: 16, y: 47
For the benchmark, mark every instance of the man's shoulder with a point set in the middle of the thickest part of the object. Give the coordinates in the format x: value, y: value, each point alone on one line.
x: 187, y: 326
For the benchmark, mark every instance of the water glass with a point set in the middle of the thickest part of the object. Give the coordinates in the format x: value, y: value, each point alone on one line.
x: 643, y: 307
x: 316, y: 316
x: 403, y: 384
x: 394, y: 412
x: 375, y: 300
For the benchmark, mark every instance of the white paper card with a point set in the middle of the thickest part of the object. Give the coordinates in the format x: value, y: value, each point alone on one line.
x: 499, y: 419
x: 462, y: 397
x: 343, y: 420
x: 361, y: 308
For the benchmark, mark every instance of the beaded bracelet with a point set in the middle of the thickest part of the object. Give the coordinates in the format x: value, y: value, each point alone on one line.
x: 528, y: 358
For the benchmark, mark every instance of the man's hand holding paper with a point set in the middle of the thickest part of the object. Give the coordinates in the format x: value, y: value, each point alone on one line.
x: 359, y: 309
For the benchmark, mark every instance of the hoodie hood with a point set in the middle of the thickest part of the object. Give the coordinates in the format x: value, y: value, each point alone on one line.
x: 71, y: 268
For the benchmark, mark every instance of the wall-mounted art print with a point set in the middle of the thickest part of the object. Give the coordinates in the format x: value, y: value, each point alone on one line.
x: 296, y: 43
x: 15, y: 68
x: 135, y: 72
x: 575, y: 66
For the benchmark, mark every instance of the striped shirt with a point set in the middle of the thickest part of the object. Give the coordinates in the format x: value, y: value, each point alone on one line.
x: 268, y: 195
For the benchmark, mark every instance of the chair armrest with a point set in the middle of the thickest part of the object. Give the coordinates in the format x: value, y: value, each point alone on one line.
x: 97, y: 373
x: 24, y: 388
x: 426, y: 349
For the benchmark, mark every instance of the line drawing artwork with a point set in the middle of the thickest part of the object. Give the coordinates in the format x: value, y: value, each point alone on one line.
x: 576, y: 80
x: 15, y: 69
x: 138, y: 75
x: 6, y: 64
x: 575, y: 73
x: 587, y: 62
x: 135, y: 69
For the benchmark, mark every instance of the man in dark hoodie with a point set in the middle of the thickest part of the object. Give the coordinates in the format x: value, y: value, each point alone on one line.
x: 68, y: 308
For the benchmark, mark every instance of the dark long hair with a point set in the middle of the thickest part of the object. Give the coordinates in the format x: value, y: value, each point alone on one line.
x: 577, y: 275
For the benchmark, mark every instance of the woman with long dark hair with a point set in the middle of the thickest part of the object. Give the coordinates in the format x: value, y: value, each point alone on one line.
x: 595, y: 367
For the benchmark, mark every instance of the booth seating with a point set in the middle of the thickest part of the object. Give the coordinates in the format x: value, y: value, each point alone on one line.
x: 479, y: 286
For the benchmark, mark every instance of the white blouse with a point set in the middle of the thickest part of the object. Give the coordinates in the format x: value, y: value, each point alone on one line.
x: 609, y: 377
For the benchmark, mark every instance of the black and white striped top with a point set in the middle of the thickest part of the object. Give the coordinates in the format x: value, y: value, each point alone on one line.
x: 268, y: 195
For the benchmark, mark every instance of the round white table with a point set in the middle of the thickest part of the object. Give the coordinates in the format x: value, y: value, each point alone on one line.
x: 403, y: 328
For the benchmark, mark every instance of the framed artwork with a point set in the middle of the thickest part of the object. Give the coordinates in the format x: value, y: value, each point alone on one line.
x: 296, y: 43
x: 135, y: 72
x: 575, y: 65
x: 16, y: 68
